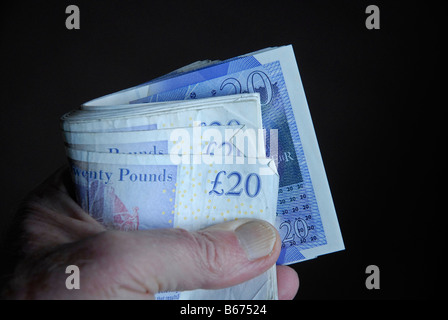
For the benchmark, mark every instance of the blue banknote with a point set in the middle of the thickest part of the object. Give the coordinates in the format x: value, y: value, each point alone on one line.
x: 306, y: 218
x: 298, y: 211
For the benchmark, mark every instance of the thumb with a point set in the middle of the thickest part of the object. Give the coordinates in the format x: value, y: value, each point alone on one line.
x: 219, y: 256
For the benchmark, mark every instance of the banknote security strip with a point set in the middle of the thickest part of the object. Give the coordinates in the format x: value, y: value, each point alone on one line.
x: 260, y: 90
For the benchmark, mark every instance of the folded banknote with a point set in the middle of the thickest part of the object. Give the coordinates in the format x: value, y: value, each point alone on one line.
x: 229, y: 110
x: 206, y: 144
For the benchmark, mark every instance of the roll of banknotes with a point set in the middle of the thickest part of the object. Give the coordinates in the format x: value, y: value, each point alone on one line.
x: 212, y: 141
x: 173, y: 165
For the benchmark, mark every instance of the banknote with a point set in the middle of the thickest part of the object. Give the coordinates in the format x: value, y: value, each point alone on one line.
x: 203, y: 142
x: 230, y: 110
x: 306, y: 217
x: 145, y: 191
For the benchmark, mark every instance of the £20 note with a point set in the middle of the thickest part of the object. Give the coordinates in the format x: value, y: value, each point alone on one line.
x: 137, y: 192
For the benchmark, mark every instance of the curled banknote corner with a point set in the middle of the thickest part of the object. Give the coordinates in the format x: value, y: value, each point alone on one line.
x: 213, y: 141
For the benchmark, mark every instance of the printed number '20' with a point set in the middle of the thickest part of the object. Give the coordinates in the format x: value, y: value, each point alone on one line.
x: 257, y: 81
x: 299, y: 227
x: 252, y: 184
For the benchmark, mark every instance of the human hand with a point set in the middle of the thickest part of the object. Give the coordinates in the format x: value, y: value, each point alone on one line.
x: 133, y: 264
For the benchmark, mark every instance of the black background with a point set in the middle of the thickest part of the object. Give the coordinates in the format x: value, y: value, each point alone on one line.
x: 369, y: 94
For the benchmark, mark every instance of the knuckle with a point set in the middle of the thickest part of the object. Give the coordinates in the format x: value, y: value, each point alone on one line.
x: 212, y: 256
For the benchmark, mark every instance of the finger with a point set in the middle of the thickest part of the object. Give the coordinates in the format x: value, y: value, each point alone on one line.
x: 175, y: 260
x: 288, y: 282
x: 136, y: 265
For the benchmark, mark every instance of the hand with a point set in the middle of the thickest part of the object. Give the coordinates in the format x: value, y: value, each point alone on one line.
x: 136, y: 264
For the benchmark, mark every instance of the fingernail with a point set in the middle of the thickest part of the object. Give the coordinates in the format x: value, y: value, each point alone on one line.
x: 257, y: 238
